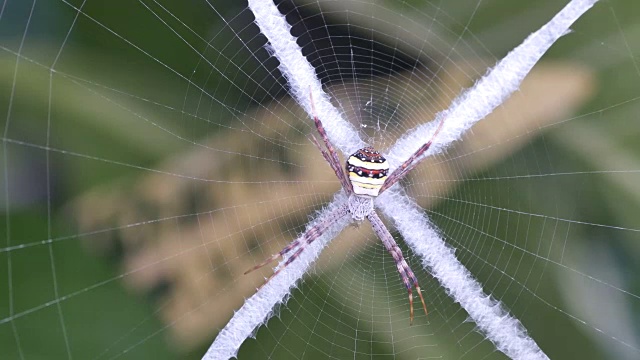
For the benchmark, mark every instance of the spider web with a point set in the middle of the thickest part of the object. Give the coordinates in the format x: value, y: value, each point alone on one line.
x: 151, y: 155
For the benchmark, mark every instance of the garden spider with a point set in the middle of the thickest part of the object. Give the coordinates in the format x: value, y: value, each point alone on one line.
x: 365, y: 178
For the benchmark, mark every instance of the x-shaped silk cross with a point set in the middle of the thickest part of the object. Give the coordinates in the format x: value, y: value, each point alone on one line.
x: 505, y: 331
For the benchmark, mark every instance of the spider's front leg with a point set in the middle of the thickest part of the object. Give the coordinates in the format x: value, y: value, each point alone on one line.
x: 303, y: 240
x: 407, y: 275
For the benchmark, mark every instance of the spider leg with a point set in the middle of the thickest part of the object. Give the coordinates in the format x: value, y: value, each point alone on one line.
x: 411, y: 162
x: 331, y: 157
x: 275, y: 256
x: 302, y: 241
x: 336, y: 168
x: 407, y: 275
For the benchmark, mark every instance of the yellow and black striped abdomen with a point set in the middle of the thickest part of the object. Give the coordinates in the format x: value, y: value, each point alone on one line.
x: 367, y: 171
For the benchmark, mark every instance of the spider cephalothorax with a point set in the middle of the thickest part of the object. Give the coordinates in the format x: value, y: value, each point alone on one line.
x: 367, y: 171
x: 367, y: 176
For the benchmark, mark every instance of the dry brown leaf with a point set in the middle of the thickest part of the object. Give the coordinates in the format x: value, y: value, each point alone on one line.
x: 190, y: 240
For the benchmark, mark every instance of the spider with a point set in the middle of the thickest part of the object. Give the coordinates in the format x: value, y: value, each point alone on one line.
x: 366, y: 177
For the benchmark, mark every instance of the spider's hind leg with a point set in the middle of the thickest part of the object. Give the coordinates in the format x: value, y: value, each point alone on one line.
x: 330, y: 155
x: 411, y: 162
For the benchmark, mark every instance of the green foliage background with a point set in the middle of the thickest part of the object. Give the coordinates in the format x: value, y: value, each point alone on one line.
x: 102, y: 129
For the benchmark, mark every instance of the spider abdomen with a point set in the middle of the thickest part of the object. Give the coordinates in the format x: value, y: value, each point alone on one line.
x: 367, y: 171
